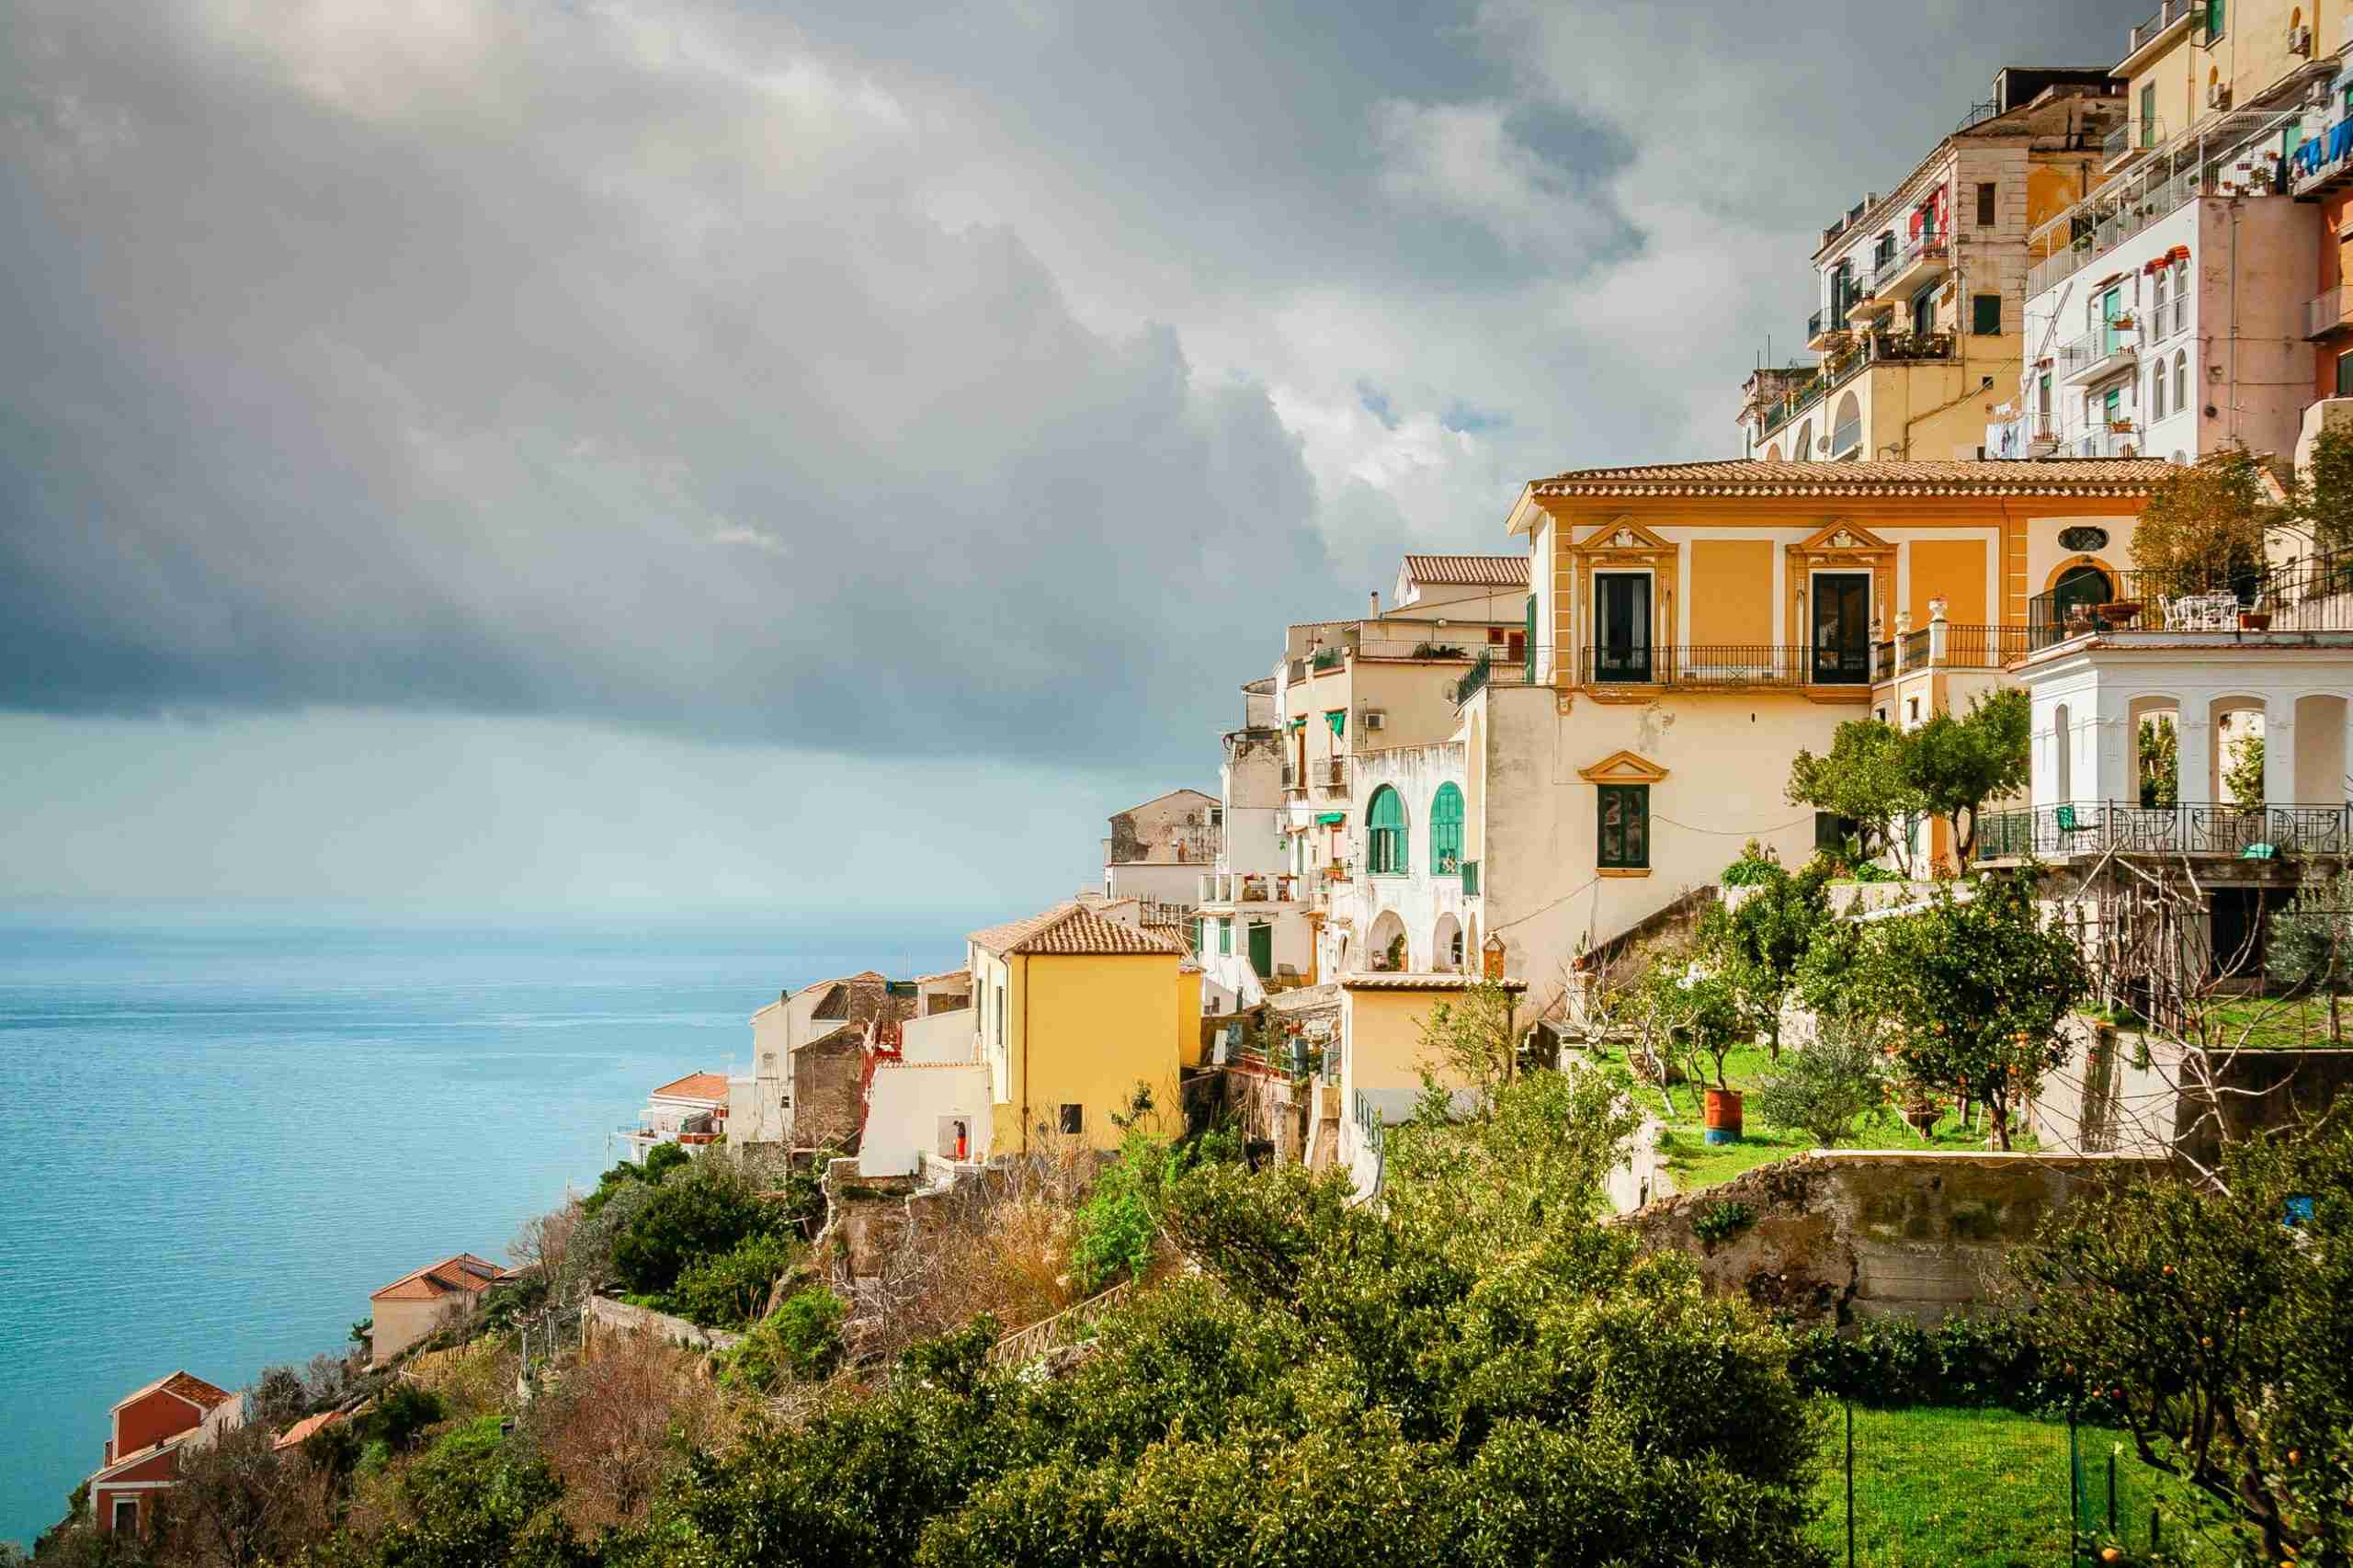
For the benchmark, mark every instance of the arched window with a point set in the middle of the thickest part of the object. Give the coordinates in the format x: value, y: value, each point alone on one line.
x: 2157, y: 393
x: 2085, y: 585
x: 1446, y: 832
x: 1384, y: 850
x: 1802, y: 449
x: 1847, y: 435
x: 2180, y: 302
x: 2180, y: 381
x: 2157, y: 309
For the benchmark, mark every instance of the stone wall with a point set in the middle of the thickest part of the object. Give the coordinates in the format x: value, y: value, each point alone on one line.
x: 1835, y: 1236
x: 609, y: 1314
x: 828, y: 1077
x: 2120, y: 1091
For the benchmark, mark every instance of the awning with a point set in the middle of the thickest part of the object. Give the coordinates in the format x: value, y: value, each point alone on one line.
x: 1300, y: 723
x: 1338, y: 719
x: 1330, y: 819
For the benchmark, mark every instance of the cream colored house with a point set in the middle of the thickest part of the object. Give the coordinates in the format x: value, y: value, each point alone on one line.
x: 1700, y: 624
x: 1383, y: 1056
x: 426, y: 1300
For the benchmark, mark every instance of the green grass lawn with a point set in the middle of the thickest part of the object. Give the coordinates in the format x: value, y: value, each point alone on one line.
x: 1695, y: 1164
x: 2275, y: 1021
x: 1973, y: 1489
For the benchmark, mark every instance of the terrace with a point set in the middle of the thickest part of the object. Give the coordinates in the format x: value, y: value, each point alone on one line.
x: 2310, y: 594
x: 2237, y: 832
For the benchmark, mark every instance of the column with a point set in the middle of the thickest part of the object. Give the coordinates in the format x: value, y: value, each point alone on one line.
x: 2279, y: 751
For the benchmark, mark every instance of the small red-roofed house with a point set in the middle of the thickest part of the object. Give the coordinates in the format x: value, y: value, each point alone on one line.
x: 151, y: 1427
x: 425, y: 1299
x: 690, y: 1112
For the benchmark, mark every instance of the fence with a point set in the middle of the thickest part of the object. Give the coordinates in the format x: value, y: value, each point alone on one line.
x: 2313, y: 594
x: 1984, y: 1489
x: 1066, y: 1327
x: 2251, y: 831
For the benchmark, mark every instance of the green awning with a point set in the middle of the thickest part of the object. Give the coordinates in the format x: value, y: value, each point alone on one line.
x: 2259, y: 851
x: 1338, y: 719
x: 1330, y: 819
x: 1300, y: 723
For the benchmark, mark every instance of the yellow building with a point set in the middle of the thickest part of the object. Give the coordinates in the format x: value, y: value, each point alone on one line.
x: 1075, y: 1010
x: 1383, y: 1056
x: 1922, y: 291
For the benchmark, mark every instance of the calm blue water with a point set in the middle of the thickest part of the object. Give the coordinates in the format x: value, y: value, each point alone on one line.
x: 219, y: 1140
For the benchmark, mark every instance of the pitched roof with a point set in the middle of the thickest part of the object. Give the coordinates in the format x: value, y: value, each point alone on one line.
x: 458, y: 1271
x: 184, y: 1385
x: 1469, y: 571
x: 1071, y: 929
x: 696, y: 1087
x: 1758, y: 477
x: 294, y: 1436
x: 963, y: 974
x: 1407, y: 980
x: 1168, y: 795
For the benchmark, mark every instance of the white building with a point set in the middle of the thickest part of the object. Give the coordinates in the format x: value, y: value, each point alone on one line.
x: 690, y: 1111
x: 1251, y: 922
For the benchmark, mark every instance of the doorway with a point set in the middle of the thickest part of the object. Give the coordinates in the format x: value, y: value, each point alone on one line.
x: 1842, y: 629
x: 1621, y: 619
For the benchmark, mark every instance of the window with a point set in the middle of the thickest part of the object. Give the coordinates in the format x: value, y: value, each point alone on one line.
x: 1217, y: 816
x: 1384, y: 848
x: 126, y: 1513
x: 2214, y: 19
x: 2149, y: 114
x: 1831, y: 831
x: 1847, y: 436
x: 1911, y: 710
x: 1924, y: 310
x: 1225, y: 938
x: 2345, y: 374
x: 1625, y: 826
x: 2181, y: 304
x: 2047, y: 405
x: 2157, y: 313
x: 1985, y: 204
x: 1454, y: 947
x: 1446, y: 832
x: 2158, y: 393
x: 1000, y: 1013
x: 1073, y: 1120
x: 2180, y: 381
x: 1985, y: 315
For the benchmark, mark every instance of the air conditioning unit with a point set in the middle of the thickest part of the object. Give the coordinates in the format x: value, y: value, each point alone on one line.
x: 2300, y: 40
x: 1374, y: 718
x: 2218, y: 94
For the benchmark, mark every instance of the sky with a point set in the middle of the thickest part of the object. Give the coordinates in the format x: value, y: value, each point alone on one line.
x: 652, y: 455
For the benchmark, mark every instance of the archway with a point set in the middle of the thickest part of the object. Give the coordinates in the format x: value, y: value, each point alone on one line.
x: 2156, y: 722
x: 1802, y: 449
x: 2236, y: 761
x: 1446, y: 950
x: 1385, y: 945
x: 1846, y: 430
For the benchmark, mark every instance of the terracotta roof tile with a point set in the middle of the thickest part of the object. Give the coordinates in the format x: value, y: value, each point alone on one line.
x: 1411, y: 981
x: 1469, y: 571
x: 458, y: 1271
x: 294, y: 1436
x: 187, y: 1385
x: 1071, y: 929
x: 697, y: 1087
x: 1747, y: 476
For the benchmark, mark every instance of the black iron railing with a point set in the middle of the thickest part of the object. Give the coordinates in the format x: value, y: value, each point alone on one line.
x: 2314, y: 594
x: 2055, y: 832
x: 1725, y: 666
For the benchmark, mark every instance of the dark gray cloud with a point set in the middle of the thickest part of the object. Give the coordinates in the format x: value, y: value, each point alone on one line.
x: 921, y: 381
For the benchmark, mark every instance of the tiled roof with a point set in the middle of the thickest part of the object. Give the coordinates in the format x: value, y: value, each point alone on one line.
x: 294, y: 1436
x: 1469, y: 571
x: 1168, y: 795
x: 185, y: 1385
x: 963, y: 974
x: 2017, y: 476
x: 1071, y: 929
x: 1410, y: 981
x: 696, y: 1087
x: 460, y: 1271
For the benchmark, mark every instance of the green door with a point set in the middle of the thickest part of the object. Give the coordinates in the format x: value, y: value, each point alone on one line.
x: 1528, y: 653
x: 1262, y: 949
x: 2111, y: 305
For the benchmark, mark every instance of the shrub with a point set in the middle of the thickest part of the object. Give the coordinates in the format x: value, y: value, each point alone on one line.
x: 731, y: 1289
x: 1722, y: 1220
x: 1823, y: 1088
x: 401, y: 1413
x: 1980, y: 1362
x: 801, y: 1341
x: 698, y: 1215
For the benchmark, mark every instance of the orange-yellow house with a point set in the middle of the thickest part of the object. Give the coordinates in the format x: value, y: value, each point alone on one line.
x: 1076, y: 1009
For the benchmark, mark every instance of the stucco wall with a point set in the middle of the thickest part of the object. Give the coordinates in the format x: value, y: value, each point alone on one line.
x: 904, y: 1104
x: 399, y: 1325
x: 1837, y: 1235
x: 938, y: 1036
x: 1091, y: 1028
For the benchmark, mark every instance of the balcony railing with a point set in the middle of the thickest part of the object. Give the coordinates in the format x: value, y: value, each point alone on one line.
x: 1948, y: 645
x: 1867, y: 349
x: 2310, y: 595
x: 2169, y: 13
x: 1334, y: 774
x: 2328, y: 312
x: 1927, y: 249
x: 2112, y: 340
x: 2056, y: 832
x: 2322, y: 162
x: 1725, y: 667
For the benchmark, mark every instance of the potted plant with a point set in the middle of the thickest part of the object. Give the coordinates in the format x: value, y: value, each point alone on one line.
x: 2119, y: 613
x: 2255, y: 620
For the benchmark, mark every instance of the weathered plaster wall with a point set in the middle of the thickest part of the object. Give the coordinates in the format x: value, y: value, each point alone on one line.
x: 1837, y: 1235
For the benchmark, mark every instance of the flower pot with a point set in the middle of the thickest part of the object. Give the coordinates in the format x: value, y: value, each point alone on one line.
x: 2255, y: 620
x: 2121, y: 612
x: 1721, y: 1118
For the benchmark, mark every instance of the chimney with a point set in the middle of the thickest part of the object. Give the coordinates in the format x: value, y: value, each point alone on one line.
x: 1376, y: 604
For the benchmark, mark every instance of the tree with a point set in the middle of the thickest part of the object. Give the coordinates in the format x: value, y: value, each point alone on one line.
x: 2210, y: 1323
x: 2159, y: 758
x: 733, y: 1289
x: 1688, y: 999
x: 2203, y: 528
x: 2243, y: 777
x: 279, y: 1398
x: 1955, y: 765
x: 2311, y: 944
x: 1758, y: 946
x: 698, y: 1215
x: 1824, y: 1086
x: 1979, y: 987
x: 2323, y: 502
x: 800, y: 1340
x: 1474, y: 1040
x: 1863, y: 777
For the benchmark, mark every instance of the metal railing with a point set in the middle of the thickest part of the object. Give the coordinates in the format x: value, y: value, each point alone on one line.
x: 1372, y: 1139
x: 2103, y: 342
x: 1883, y: 664
x: 1824, y: 321
x: 2314, y: 594
x: 1728, y: 666
x: 1327, y: 658
x: 1983, y: 647
x: 1868, y: 348
x: 1066, y: 1327
x: 2167, y: 15
x: 1335, y: 773
x: 1915, y: 649
x: 2055, y: 832
x: 1925, y: 247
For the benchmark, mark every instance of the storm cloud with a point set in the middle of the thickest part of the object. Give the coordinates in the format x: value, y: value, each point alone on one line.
x: 924, y: 380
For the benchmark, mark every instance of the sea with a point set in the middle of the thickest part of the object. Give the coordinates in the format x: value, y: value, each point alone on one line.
x: 216, y: 1138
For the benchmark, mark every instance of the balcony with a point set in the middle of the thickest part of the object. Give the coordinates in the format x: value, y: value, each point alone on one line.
x: 1911, y: 268
x: 2106, y: 350
x: 1824, y: 328
x: 1724, y: 668
x: 2056, y: 833
x: 2323, y: 163
x: 2147, y: 35
x: 2328, y: 314
x: 1866, y: 350
x: 1333, y: 775
x: 2312, y: 595
x: 1945, y: 645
